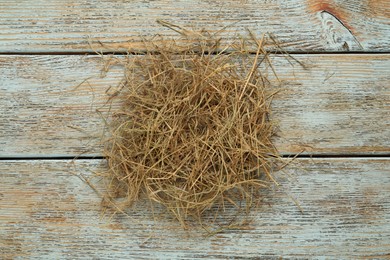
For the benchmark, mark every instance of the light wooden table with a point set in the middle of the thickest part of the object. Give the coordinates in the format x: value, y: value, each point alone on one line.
x: 339, y: 110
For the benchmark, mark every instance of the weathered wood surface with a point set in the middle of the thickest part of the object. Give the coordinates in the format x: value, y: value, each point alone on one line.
x: 48, y: 211
x: 340, y: 105
x: 302, y: 25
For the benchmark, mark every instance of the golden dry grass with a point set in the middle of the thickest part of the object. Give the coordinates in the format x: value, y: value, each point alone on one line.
x: 194, y: 129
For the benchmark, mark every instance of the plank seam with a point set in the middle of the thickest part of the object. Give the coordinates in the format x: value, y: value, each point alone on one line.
x: 285, y: 156
x: 141, y: 53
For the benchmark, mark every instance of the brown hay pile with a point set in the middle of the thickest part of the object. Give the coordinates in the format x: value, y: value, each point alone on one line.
x: 193, y: 130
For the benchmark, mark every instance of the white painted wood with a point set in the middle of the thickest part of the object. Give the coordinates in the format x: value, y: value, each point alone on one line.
x: 340, y: 105
x: 46, y: 211
x: 302, y: 25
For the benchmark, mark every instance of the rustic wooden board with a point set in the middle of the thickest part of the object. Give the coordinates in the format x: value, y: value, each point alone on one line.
x: 340, y: 105
x: 46, y: 210
x: 302, y: 25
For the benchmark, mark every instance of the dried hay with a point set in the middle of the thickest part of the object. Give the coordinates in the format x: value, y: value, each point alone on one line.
x: 194, y: 129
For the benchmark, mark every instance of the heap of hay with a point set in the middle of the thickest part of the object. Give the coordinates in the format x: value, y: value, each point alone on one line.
x: 193, y: 130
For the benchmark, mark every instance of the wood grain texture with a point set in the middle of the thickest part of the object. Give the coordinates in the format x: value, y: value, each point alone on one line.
x: 340, y: 105
x: 302, y: 25
x: 47, y: 211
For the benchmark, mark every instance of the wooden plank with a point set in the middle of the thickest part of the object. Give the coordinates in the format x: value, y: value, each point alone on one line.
x: 302, y: 25
x: 340, y: 105
x: 47, y: 211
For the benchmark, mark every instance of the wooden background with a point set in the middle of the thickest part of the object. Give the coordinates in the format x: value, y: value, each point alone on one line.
x: 338, y: 110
